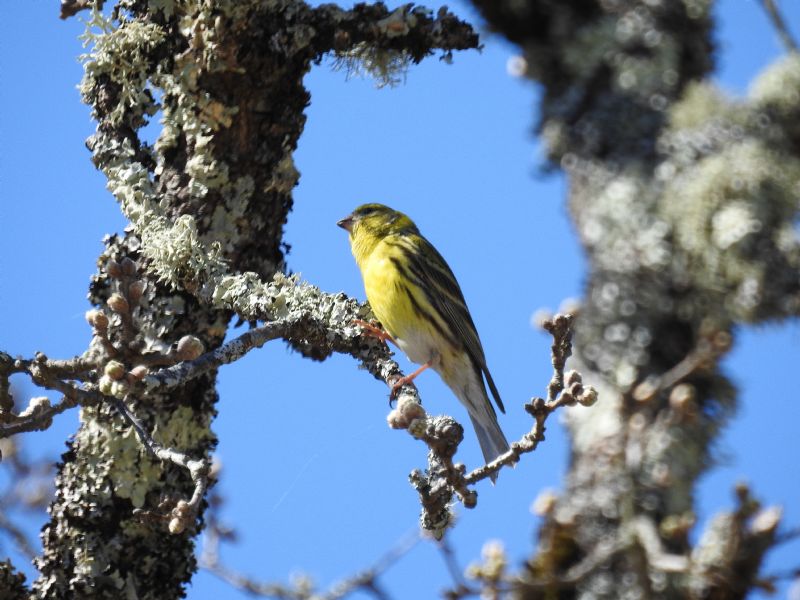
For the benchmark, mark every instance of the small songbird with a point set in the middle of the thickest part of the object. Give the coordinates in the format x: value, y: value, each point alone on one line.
x: 417, y: 300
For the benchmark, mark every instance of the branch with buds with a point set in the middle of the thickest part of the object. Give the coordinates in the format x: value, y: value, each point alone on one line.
x: 443, y: 478
x: 126, y: 373
x: 123, y: 364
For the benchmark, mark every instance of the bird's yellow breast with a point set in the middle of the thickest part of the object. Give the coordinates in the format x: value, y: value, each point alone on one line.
x: 399, y: 304
x: 387, y: 292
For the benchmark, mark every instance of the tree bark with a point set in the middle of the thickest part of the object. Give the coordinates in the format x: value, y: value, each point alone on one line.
x: 683, y: 203
x: 207, y: 203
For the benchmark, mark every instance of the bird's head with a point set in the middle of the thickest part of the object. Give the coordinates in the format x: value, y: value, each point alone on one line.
x: 376, y: 221
x: 370, y: 223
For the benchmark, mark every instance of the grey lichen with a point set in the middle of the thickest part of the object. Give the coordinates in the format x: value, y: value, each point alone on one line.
x: 732, y: 212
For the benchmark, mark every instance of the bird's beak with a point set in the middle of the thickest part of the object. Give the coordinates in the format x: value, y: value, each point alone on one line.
x: 346, y: 223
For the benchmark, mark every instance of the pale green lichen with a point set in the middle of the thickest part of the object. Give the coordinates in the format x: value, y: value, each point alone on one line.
x: 725, y: 209
x: 121, y: 54
x: 178, y: 255
x: 197, y: 117
x: 624, y: 204
x: 776, y: 94
x: 123, y: 467
x: 386, y: 67
x: 176, y: 251
x: 206, y: 172
x: 181, y: 429
x: 698, y: 9
x: 779, y: 84
x: 701, y: 101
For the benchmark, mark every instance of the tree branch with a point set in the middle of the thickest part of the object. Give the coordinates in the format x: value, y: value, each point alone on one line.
x: 365, y: 581
x: 412, y: 30
x: 70, y: 8
x: 444, y: 478
x: 771, y: 7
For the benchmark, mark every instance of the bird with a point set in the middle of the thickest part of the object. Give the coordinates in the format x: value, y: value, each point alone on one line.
x: 415, y: 296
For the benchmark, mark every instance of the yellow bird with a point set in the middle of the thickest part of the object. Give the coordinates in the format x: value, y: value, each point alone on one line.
x: 419, y: 303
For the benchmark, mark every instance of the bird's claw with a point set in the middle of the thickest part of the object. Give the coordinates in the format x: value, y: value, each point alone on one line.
x: 396, y: 386
x: 372, y: 330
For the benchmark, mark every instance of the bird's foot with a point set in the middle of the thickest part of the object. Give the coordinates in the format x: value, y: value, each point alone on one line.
x: 409, y: 378
x: 372, y: 330
x: 399, y: 383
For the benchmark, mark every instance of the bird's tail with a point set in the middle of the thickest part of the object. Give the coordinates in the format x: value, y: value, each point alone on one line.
x: 490, y: 436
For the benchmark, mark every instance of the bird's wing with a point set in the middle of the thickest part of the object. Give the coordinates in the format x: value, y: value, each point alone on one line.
x: 436, y: 279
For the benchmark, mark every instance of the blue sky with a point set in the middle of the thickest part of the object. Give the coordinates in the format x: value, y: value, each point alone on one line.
x: 453, y: 147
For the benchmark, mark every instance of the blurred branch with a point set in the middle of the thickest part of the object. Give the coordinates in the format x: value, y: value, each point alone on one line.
x: 20, y: 538
x: 730, y: 551
x: 303, y: 589
x: 787, y: 536
x: 449, y: 556
x: 70, y: 8
x: 771, y: 7
x: 27, y: 489
x: 707, y: 352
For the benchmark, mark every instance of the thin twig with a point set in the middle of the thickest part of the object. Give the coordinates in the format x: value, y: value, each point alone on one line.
x: 563, y: 390
x: 449, y: 556
x: 443, y: 478
x: 365, y: 580
x: 771, y: 7
x: 184, y: 513
x: 560, y: 327
x: 183, y: 372
x: 21, y: 540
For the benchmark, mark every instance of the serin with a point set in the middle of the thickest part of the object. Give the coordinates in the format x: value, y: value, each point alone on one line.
x: 418, y: 301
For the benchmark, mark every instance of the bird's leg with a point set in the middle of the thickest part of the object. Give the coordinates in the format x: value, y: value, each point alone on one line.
x: 409, y: 378
x: 374, y: 331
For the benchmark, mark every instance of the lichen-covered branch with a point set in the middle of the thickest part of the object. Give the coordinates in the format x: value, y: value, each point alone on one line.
x: 685, y: 202
x: 207, y: 204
